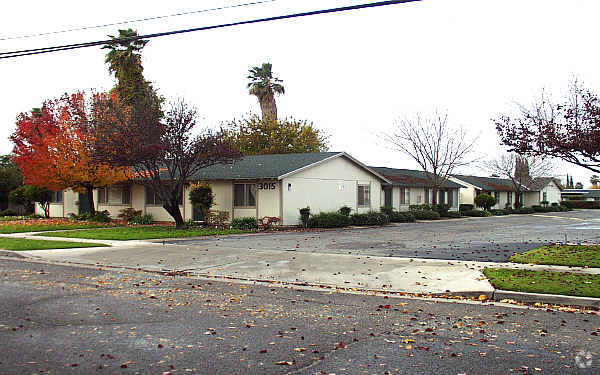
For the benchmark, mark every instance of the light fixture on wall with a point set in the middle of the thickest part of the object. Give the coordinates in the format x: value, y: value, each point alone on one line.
x: 289, y: 187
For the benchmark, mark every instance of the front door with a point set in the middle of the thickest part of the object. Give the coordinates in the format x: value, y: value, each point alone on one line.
x: 84, y: 203
x: 388, y: 196
x: 197, y: 214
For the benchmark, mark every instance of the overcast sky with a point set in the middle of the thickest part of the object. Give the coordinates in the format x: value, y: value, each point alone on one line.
x: 352, y: 74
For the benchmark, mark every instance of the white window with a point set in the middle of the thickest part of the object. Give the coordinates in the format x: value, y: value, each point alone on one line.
x: 115, y: 195
x: 244, y: 195
x: 57, y: 197
x: 364, y: 196
x: 402, y: 196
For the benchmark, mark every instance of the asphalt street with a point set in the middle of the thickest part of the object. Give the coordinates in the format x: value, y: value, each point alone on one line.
x: 58, y: 319
x: 492, y: 239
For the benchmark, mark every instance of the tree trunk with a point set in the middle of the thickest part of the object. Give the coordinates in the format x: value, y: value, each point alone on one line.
x: 268, y: 107
x: 89, y: 191
x: 173, y: 210
x: 434, y: 195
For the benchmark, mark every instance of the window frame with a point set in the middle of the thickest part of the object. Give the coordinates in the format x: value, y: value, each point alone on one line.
x: 156, y: 202
x: 246, y: 199
x: 366, y: 195
x: 58, y: 197
x: 104, y: 196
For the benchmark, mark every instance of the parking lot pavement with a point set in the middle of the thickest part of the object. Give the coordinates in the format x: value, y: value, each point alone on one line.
x: 492, y: 239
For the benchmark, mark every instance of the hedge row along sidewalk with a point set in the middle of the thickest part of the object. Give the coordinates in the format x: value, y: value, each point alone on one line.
x: 546, y: 282
x: 561, y: 255
x: 21, y: 244
x: 141, y: 233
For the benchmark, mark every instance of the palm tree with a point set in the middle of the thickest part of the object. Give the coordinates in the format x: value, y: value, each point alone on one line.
x: 264, y: 86
x: 595, y: 180
x: 125, y: 62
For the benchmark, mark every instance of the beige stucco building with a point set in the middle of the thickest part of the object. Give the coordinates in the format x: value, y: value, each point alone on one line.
x: 256, y: 186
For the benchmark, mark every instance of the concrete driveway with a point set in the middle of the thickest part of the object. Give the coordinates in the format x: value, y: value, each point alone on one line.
x: 492, y: 239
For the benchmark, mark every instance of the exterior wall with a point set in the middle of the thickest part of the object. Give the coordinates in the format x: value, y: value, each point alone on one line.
x: 327, y: 187
x: 532, y: 198
x: 269, y: 201
x: 553, y: 193
x: 70, y: 202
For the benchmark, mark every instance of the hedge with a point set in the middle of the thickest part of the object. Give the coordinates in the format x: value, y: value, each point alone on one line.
x: 523, y: 210
x: 581, y: 204
x: 329, y: 220
x: 246, y: 223
x: 370, y: 218
x: 466, y: 207
x: 477, y: 213
x: 499, y: 212
x: 426, y: 215
x: 453, y: 214
x: 402, y: 217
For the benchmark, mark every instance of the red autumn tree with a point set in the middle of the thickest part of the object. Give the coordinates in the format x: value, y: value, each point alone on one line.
x: 54, y: 147
x: 162, y: 152
x: 568, y: 130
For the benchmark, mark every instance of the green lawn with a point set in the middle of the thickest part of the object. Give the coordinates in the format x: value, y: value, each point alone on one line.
x: 141, y: 233
x: 22, y: 228
x: 21, y: 244
x: 561, y: 255
x: 570, y: 284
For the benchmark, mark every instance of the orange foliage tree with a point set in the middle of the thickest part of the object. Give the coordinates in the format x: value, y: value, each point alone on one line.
x: 54, y: 146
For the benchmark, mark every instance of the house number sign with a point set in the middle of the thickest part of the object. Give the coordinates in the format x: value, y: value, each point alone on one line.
x: 266, y: 186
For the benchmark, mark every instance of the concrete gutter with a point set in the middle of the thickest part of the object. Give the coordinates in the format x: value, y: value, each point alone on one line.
x: 550, y: 299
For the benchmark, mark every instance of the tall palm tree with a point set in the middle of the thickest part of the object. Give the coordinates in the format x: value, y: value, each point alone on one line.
x: 125, y: 62
x: 264, y: 86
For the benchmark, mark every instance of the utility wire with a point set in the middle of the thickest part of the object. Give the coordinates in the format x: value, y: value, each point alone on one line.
x: 137, y: 20
x: 36, y: 51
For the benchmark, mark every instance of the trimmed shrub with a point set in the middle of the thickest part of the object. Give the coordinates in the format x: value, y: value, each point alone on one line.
x: 202, y: 197
x: 477, y: 213
x: 453, y: 214
x: 329, y: 220
x: 8, y: 212
x: 402, y: 217
x: 345, y: 210
x: 524, y: 210
x: 441, y: 209
x: 143, y: 219
x: 466, y: 207
x: 499, y: 212
x: 582, y: 204
x: 554, y: 204
x: 485, y: 201
x: 245, y: 223
x: 129, y: 213
x: 101, y: 217
x: 370, y: 218
x: 304, y: 216
x: 387, y: 210
x: 426, y: 215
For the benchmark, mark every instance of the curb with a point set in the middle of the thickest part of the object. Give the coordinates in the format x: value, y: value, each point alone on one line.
x: 551, y: 299
x: 12, y: 254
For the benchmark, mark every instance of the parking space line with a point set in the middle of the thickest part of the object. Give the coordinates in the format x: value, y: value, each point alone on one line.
x: 559, y: 217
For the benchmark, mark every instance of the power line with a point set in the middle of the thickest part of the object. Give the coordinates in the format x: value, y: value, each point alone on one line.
x: 36, y: 51
x: 137, y: 20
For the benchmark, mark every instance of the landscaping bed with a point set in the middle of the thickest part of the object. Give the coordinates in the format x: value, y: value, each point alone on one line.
x: 21, y: 244
x: 42, y: 225
x: 563, y: 283
x: 142, y: 233
x: 561, y: 255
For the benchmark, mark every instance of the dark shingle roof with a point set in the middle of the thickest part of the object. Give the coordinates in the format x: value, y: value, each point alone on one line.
x: 587, y: 193
x: 411, y: 178
x: 488, y: 183
x: 261, y: 166
x: 541, y: 182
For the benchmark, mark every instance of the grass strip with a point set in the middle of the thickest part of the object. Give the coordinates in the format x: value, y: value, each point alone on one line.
x: 561, y: 255
x: 22, y: 244
x: 564, y: 283
x: 142, y: 233
x: 18, y: 228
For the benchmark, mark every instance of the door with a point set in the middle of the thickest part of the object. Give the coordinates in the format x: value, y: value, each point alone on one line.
x: 197, y: 214
x: 388, y: 196
x: 84, y: 203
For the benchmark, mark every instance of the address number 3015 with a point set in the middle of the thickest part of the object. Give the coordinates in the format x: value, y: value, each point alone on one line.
x: 266, y: 186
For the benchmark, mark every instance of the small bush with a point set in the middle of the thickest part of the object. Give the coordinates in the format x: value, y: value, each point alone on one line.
x: 304, y: 216
x: 485, y: 201
x: 544, y: 203
x: 345, y: 210
x: 8, y: 212
x: 466, y: 207
x: 477, y: 213
x: 34, y: 216
x: 143, y: 219
x: 387, y: 210
x: 245, y: 223
x: 426, y: 215
x: 101, y: 217
x: 524, y: 210
x: 441, y: 209
x: 82, y: 217
x: 453, y: 214
x: 128, y: 214
x: 402, y: 217
x: 499, y: 212
x: 370, y: 218
x: 554, y: 204
x: 329, y: 220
